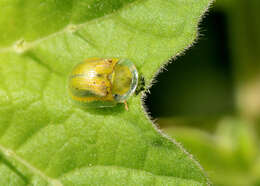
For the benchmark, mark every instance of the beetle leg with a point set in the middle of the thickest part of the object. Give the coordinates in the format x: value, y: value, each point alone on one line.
x: 126, y: 106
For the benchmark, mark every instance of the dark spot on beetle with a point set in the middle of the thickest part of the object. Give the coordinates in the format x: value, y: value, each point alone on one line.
x: 116, y: 95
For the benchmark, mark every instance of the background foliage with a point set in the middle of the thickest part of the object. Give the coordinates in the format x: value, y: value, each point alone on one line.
x: 213, y: 107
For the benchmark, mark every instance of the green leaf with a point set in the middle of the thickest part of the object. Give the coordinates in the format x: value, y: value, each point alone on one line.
x: 44, y: 137
x: 230, y: 156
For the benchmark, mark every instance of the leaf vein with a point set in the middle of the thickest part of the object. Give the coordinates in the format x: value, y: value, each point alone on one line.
x: 11, y: 154
x: 67, y: 28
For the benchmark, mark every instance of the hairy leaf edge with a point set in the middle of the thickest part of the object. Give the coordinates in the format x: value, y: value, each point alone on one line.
x: 22, y: 46
x: 153, y: 81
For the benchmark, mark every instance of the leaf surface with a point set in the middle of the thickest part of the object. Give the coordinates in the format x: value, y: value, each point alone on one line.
x: 230, y: 156
x: 47, y: 140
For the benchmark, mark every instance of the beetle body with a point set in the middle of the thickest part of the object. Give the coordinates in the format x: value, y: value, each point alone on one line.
x: 99, y: 82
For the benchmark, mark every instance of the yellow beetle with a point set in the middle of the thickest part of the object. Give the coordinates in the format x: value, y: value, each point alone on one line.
x: 99, y: 82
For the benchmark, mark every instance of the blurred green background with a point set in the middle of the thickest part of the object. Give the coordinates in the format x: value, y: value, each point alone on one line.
x: 209, y: 98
